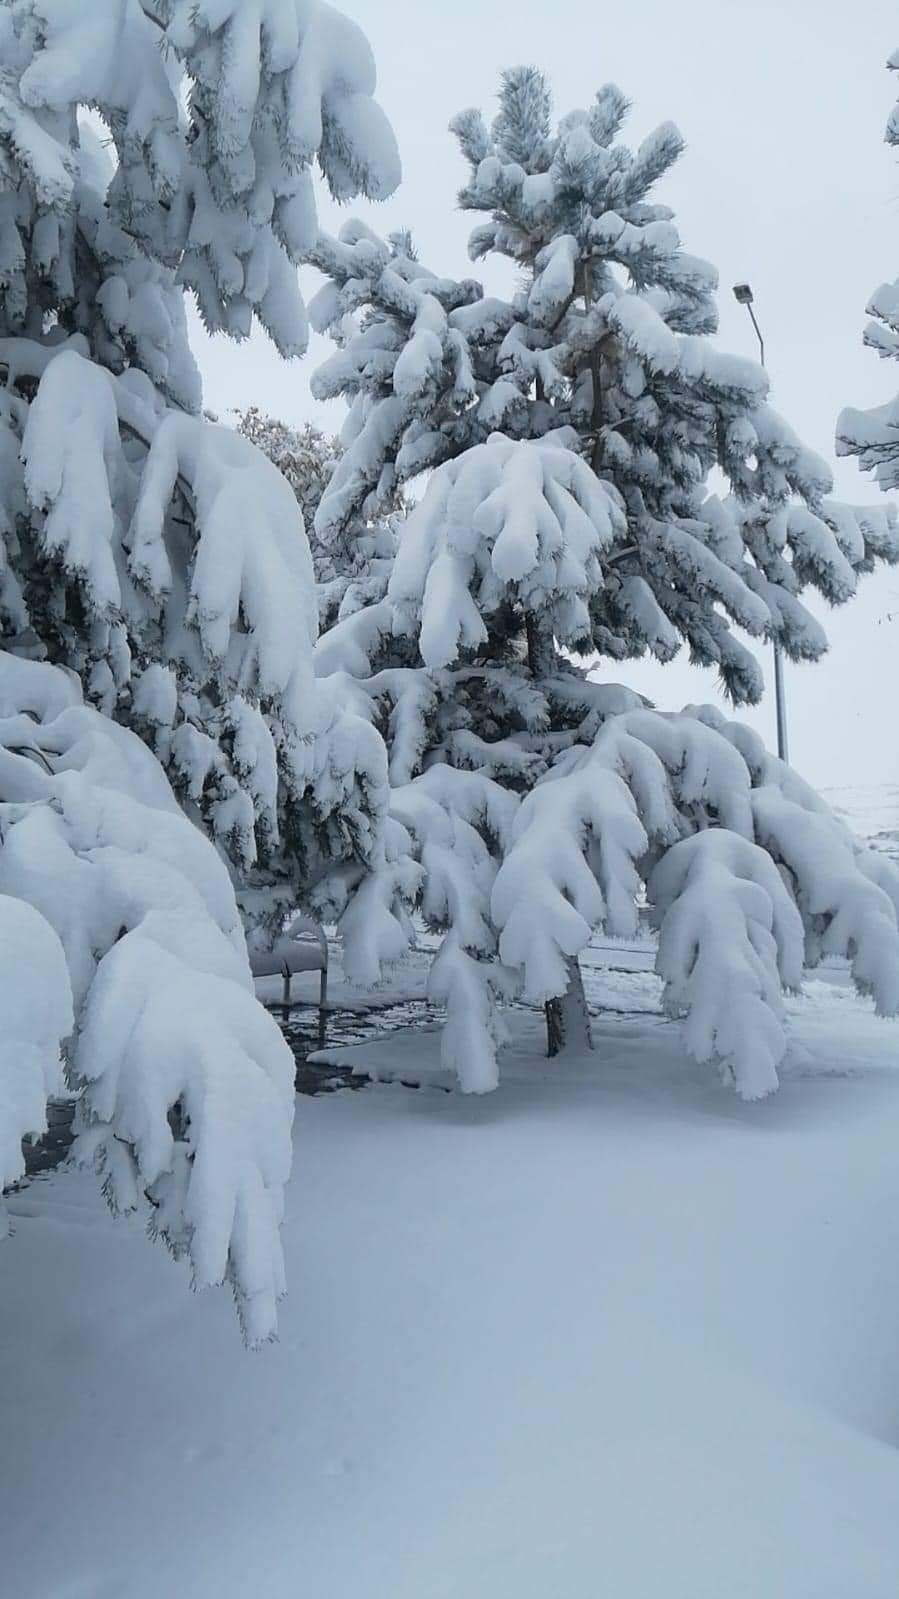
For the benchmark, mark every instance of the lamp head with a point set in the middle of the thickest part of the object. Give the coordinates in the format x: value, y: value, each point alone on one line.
x: 742, y: 293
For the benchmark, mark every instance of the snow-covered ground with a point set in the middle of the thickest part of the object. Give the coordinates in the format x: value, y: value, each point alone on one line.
x: 608, y: 1333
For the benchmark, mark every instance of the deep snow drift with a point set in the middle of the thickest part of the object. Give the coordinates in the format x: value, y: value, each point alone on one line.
x: 608, y: 1333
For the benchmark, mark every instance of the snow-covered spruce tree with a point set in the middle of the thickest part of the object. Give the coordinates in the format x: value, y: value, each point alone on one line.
x: 873, y: 436
x: 160, y: 560
x: 614, y: 339
x: 529, y: 805
x: 183, y: 596
x: 352, y: 568
x: 603, y: 358
x: 608, y: 337
x: 408, y: 343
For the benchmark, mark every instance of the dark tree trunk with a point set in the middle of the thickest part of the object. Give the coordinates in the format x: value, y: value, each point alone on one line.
x: 541, y: 648
x: 567, y: 1018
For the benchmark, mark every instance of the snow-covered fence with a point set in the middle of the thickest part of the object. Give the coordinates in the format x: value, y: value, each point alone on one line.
x: 303, y: 948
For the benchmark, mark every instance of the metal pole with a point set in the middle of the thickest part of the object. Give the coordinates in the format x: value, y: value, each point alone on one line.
x: 780, y: 698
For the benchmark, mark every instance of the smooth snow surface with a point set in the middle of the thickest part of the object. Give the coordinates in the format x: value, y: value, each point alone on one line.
x: 608, y: 1333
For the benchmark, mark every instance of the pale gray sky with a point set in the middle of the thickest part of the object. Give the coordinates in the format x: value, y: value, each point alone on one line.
x: 786, y: 181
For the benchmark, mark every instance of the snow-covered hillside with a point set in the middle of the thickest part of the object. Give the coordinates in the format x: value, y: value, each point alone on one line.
x: 609, y: 1333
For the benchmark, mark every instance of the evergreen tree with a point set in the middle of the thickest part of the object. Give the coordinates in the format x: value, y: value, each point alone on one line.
x: 573, y: 431
x: 872, y: 436
x: 530, y: 805
x: 609, y: 337
x: 160, y: 560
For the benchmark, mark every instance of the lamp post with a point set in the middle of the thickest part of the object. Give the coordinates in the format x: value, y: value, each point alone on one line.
x: 743, y: 296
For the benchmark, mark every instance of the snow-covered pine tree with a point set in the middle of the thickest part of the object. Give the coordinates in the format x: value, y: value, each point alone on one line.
x: 192, y: 527
x: 609, y: 336
x: 150, y: 148
x: 585, y: 523
x: 530, y: 805
x: 872, y: 436
x: 614, y: 339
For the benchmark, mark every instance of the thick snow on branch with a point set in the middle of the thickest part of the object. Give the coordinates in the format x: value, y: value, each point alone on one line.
x: 128, y: 921
x: 507, y: 519
x: 166, y: 562
x: 730, y: 939
x: 216, y: 112
x: 572, y: 866
x: 449, y: 817
x: 251, y: 564
x: 749, y: 872
x: 844, y: 911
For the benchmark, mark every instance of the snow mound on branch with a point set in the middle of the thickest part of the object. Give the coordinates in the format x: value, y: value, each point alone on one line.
x: 216, y: 112
x: 730, y: 940
x: 185, y: 548
x: 506, y: 518
x: 749, y: 872
x: 126, y: 913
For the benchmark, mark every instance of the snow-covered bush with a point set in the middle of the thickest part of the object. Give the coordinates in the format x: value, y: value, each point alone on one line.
x: 125, y: 977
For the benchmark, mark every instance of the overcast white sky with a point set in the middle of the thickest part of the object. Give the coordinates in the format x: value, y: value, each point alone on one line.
x: 786, y: 181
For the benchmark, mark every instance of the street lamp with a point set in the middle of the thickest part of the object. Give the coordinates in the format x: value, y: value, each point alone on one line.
x: 743, y: 296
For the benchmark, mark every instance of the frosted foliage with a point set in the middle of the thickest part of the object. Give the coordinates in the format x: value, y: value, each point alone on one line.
x: 507, y: 520
x: 305, y: 456
x: 607, y: 348
x: 872, y: 436
x: 123, y: 948
x: 163, y: 557
x: 216, y: 114
x: 748, y: 873
x: 531, y: 807
x: 352, y: 568
x: 612, y: 335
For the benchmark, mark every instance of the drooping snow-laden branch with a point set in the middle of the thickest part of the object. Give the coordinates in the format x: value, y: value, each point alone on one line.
x: 749, y: 874
x: 185, y: 548
x: 215, y: 123
x: 120, y: 923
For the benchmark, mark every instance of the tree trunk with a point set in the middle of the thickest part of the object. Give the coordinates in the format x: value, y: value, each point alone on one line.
x: 596, y: 376
x: 541, y: 648
x: 567, y: 1018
